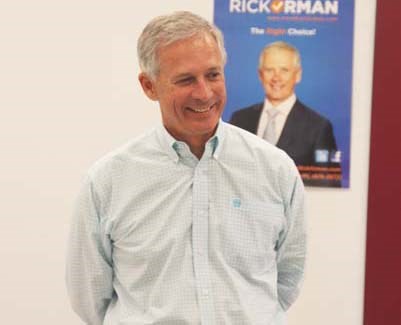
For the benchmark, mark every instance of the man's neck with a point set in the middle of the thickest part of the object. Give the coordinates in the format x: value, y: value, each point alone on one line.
x: 198, y: 151
x: 276, y: 103
x: 196, y: 143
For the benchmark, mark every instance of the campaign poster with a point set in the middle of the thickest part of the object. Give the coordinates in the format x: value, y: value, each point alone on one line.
x: 315, y: 130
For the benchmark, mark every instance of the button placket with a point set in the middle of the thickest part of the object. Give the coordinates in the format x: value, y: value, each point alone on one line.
x: 200, y: 240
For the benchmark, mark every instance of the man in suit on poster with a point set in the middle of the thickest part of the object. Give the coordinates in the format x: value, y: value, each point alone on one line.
x: 283, y: 120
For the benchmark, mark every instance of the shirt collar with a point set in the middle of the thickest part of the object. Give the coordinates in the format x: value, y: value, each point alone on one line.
x: 218, y: 139
x: 167, y: 142
x: 171, y: 145
x: 283, y: 108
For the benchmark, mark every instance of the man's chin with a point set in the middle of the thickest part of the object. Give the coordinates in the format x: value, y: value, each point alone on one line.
x: 204, y: 129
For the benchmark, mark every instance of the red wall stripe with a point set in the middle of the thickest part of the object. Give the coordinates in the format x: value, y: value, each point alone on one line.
x: 383, y: 247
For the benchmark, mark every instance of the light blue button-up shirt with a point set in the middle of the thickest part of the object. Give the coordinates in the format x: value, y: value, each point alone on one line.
x: 160, y: 237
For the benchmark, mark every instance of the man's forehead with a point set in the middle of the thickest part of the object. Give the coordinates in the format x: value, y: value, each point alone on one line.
x: 279, y: 55
x: 191, y: 55
x: 278, y: 51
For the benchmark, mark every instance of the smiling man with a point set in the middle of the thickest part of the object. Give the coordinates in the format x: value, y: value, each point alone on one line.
x: 286, y: 122
x: 196, y: 221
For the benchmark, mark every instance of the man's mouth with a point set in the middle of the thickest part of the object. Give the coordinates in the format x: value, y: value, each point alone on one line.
x: 276, y: 87
x: 201, y: 109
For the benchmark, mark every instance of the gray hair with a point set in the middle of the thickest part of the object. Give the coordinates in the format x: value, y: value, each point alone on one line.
x: 282, y: 46
x: 164, y: 30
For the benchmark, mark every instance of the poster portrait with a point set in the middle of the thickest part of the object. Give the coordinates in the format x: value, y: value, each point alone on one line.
x: 315, y: 124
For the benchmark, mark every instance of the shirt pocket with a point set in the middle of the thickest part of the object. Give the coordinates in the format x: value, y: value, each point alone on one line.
x: 250, y: 233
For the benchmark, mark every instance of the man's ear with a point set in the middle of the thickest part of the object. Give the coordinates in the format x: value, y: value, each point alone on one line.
x: 299, y: 75
x: 148, y: 86
x: 260, y: 74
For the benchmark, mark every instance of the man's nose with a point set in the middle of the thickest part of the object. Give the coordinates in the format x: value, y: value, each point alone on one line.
x: 202, y: 90
x: 276, y: 75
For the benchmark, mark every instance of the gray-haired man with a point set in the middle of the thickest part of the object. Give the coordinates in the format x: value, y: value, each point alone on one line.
x: 195, y: 221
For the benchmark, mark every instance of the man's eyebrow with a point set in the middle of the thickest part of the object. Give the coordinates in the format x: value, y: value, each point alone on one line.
x: 183, y: 75
x: 217, y: 68
x: 190, y: 75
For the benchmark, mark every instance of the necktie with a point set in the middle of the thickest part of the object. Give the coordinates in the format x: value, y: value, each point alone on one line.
x: 270, y: 131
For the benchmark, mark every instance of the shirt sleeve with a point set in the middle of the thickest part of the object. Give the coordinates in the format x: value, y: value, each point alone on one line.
x: 89, y: 264
x: 292, y: 244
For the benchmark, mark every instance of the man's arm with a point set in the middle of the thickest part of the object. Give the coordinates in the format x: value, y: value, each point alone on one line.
x: 292, y: 246
x: 89, y: 267
x: 325, y: 138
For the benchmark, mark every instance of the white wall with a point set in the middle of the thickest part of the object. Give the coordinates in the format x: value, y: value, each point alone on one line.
x: 68, y: 94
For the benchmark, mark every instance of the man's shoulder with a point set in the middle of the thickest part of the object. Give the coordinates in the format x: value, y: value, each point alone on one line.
x: 254, y: 108
x: 309, y: 113
x: 243, y: 148
x: 129, y: 151
x: 247, y: 117
x: 250, y: 144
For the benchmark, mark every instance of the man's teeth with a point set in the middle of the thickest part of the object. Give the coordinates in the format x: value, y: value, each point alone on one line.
x: 201, y: 110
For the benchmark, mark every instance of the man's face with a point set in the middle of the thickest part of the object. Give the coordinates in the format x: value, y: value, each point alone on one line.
x: 190, y: 88
x: 279, y: 74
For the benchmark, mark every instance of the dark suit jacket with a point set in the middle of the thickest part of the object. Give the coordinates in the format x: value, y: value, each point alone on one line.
x: 304, y: 132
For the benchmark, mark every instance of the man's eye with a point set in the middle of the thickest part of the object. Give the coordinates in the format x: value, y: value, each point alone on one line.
x: 184, y: 81
x: 213, y: 75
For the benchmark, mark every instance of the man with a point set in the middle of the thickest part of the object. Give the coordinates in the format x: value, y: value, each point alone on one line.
x: 284, y: 121
x: 196, y: 221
